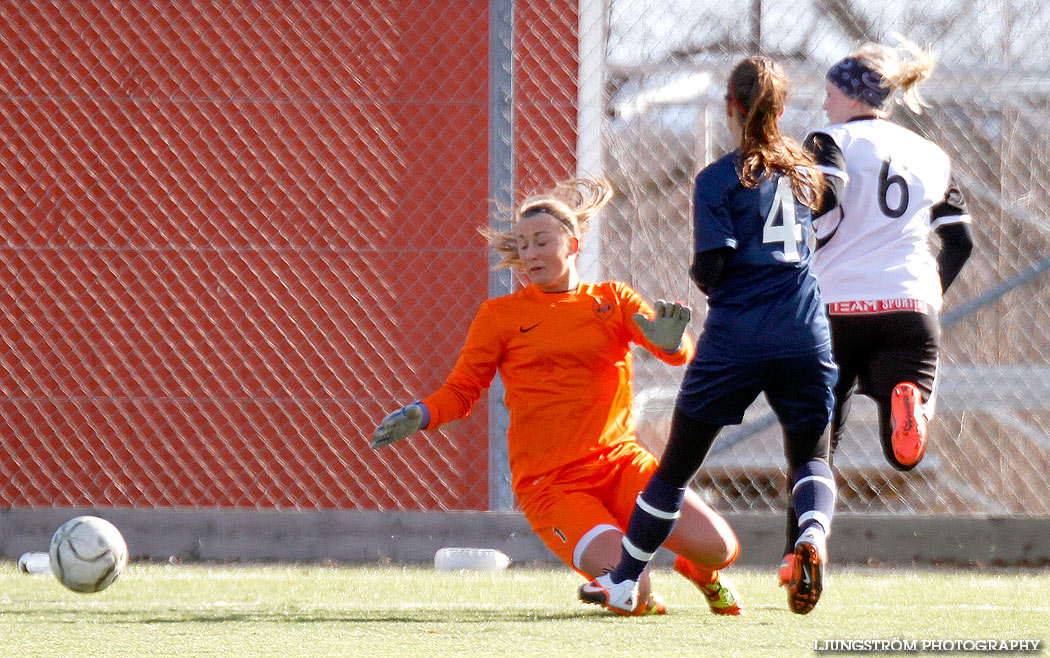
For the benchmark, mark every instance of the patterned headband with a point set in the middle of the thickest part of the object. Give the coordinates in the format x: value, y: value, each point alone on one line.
x: 858, y: 81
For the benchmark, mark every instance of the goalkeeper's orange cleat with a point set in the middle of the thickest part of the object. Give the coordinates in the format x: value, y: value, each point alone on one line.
x: 786, y: 569
x: 720, y: 597
x: 909, y: 425
x: 654, y: 606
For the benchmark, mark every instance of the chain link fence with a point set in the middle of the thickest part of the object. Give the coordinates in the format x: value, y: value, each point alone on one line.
x: 233, y: 235
x: 225, y: 229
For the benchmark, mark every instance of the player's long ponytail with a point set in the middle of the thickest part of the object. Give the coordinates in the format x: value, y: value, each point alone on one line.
x: 573, y: 203
x: 758, y: 90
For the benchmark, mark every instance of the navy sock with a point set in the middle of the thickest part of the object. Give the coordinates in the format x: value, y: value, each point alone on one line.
x: 813, y: 495
x: 655, y: 513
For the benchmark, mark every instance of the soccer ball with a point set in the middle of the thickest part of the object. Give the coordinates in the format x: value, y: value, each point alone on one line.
x: 87, y: 554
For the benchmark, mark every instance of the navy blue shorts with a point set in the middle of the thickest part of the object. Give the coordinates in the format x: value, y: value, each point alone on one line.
x: 798, y: 388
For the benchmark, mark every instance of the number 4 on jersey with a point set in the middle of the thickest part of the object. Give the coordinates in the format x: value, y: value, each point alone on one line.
x: 788, y: 232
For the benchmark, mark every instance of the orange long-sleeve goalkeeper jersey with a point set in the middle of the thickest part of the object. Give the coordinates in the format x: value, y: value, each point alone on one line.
x: 565, y: 362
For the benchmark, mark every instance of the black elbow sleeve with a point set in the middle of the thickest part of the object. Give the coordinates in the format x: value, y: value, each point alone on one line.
x: 956, y: 247
x: 707, y: 267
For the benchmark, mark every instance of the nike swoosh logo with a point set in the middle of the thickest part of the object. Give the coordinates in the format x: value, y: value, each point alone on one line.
x: 528, y: 329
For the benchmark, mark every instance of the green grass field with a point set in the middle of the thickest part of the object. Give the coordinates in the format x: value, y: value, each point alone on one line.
x: 234, y: 611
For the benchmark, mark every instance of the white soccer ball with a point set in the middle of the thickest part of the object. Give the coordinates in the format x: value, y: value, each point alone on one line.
x: 87, y: 554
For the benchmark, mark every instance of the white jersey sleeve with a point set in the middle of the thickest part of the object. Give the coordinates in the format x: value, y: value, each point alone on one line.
x: 875, y: 245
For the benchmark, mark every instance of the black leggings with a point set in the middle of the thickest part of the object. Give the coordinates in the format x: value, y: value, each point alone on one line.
x: 691, y: 440
x: 874, y: 354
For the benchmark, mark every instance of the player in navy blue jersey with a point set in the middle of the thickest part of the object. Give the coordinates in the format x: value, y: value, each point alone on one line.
x: 766, y: 332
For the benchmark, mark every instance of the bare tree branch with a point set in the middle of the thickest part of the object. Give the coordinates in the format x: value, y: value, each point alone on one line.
x: 849, y: 19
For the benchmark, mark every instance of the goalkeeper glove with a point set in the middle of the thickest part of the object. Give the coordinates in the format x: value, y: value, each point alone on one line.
x: 399, y: 425
x: 666, y: 329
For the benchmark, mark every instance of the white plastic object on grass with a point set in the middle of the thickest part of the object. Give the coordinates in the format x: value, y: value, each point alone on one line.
x: 470, y: 559
x: 34, y: 562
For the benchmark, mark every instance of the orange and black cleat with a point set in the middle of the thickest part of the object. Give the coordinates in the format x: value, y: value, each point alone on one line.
x: 807, y: 578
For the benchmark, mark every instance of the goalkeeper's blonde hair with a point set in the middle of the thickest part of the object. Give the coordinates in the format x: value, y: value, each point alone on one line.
x: 572, y: 202
x: 904, y: 68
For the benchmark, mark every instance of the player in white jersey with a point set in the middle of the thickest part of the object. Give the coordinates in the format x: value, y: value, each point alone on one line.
x: 888, y: 189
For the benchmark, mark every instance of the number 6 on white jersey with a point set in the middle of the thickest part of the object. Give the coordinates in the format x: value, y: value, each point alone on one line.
x: 788, y: 232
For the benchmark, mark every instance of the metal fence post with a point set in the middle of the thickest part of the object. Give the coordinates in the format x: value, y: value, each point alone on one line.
x: 501, y: 185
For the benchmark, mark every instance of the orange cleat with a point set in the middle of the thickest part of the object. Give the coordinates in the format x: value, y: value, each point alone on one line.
x: 654, y: 606
x: 720, y: 597
x: 909, y: 425
x: 807, y: 578
x: 786, y: 569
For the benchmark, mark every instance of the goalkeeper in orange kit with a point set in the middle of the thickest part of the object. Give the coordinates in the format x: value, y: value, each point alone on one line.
x: 562, y: 348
